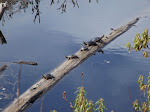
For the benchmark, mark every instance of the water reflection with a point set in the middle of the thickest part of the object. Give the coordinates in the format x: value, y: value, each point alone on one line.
x: 2, y: 38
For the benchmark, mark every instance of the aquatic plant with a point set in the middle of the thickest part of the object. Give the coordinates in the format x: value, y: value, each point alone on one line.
x: 144, y: 104
x: 82, y: 104
x: 140, y: 43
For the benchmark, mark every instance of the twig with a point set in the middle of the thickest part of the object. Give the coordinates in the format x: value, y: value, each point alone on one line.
x: 19, y: 75
x: 131, y: 98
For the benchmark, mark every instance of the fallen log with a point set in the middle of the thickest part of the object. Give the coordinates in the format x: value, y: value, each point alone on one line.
x: 2, y: 9
x: 43, y: 85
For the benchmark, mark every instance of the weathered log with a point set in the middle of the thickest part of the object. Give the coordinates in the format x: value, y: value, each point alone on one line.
x: 43, y: 85
x: 2, y: 9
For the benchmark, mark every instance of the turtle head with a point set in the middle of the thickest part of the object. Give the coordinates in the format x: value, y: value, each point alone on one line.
x: 102, y: 36
x: 84, y: 43
x: 4, y: 5
x: 66, y: 57
x: 43, y: 77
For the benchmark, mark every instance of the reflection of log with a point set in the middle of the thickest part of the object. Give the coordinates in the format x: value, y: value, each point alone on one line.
x: 42, y: 86
x: 2, y: 9
x: 2, y: 38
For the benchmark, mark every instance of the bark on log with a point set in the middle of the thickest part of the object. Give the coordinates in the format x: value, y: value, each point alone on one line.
x: 42, y: 86
x: 2, y: 9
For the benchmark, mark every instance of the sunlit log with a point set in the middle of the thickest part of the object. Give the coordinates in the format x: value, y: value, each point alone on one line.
x: 44, y: 85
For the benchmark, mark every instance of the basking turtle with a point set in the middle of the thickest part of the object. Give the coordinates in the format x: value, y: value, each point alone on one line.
x: 84, y: 48
x: 73, y: 56
x: 90, y: 43
x: 97, y: 39
x: 48, y: 76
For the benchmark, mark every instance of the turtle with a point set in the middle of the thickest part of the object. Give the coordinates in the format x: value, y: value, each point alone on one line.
x: 84, y: 48
x: 90, y: 43
x: 97, y: 39
x: 73, y: 56
x: 47, y: 76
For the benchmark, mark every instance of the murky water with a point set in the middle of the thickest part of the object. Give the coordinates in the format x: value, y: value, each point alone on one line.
x: 59, y: 34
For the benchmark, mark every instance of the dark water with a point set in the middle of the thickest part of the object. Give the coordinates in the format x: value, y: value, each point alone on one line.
x: 62, y: 34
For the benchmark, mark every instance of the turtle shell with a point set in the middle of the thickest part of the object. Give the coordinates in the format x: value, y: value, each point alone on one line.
x: 48, y: 76
x: 84, y: 48
x: 71, y: 56
x: 91, y: 43
x: 96, y: 39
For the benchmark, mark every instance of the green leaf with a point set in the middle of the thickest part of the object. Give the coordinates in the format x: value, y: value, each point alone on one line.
x: 145, y: 54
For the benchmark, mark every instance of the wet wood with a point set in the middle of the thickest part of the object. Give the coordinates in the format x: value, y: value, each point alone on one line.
x: 43, y: 85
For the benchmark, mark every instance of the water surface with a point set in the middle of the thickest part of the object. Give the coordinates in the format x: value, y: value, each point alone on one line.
x: 59, y: 34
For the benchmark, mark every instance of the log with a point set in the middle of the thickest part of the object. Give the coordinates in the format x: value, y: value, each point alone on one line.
x: 2, y: 9
x: 43, y: 85
x: 27, y: 63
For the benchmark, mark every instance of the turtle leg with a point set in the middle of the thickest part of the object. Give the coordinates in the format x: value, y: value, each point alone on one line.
x: 84, y: 43
x: 67, y: 57
x: 101, y: 51
x: 43, y: 77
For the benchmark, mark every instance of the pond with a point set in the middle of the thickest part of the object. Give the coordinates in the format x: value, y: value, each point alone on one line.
x: 58, y: 35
